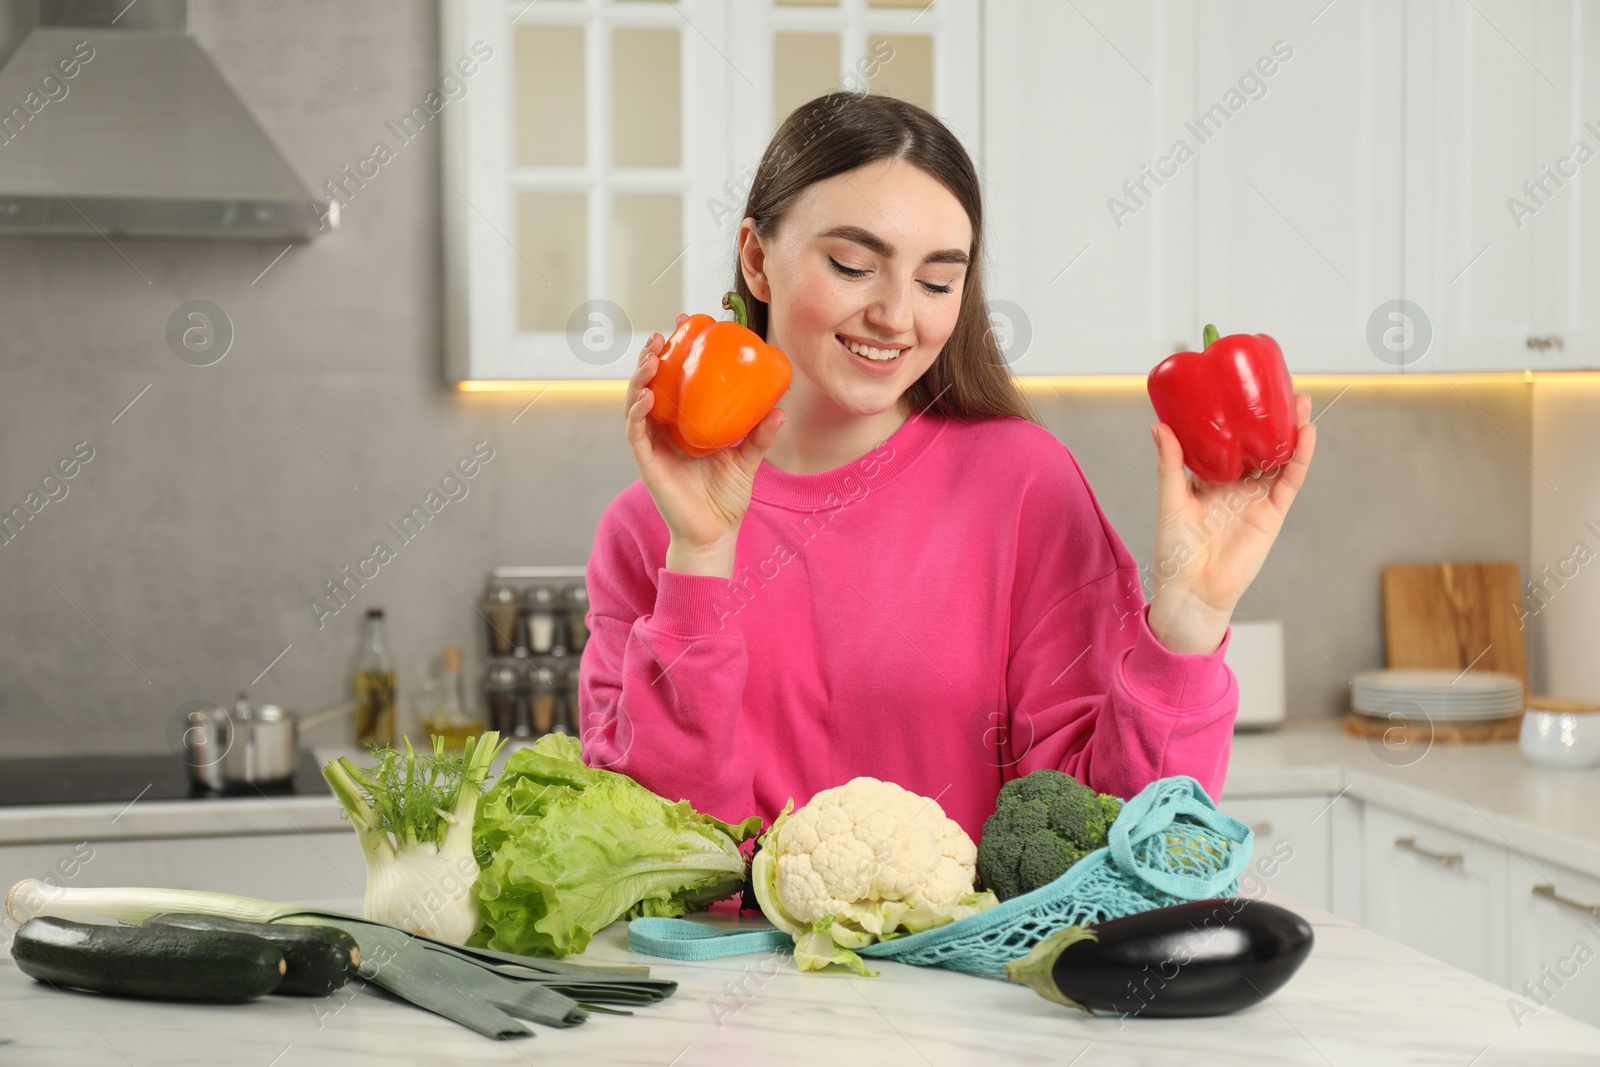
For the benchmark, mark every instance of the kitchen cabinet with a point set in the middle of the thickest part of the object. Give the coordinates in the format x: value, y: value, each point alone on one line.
x: 1380, y: 161
x: 300, y: 866
x: 1078, y: 98
x: 1299, y: 193
x: 1501, y: 251
x: 1241, y: 165
x: 1438, y: 891
x: 1148, y: 167
x: 1555, y: 938
x: 1293, y: 838
x: 596, y: 172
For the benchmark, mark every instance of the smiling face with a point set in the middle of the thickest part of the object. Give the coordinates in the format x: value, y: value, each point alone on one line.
x: 876, y: 256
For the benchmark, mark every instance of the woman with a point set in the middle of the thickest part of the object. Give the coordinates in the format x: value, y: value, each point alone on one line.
x: 899, y: 572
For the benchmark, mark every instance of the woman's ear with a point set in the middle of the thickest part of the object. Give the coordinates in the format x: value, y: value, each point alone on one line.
x: 753, y: 261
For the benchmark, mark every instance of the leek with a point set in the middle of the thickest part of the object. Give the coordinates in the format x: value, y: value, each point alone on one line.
x: 31, y: 897
x: 413, y: 816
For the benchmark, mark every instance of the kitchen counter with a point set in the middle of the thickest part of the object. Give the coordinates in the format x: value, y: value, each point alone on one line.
x: 200, y: 817
x: 1487, y: 791
x: 1359, y: 999
x: 138, y: 818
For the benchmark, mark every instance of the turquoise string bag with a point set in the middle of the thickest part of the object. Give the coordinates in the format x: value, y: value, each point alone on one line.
x: 1168, y: 845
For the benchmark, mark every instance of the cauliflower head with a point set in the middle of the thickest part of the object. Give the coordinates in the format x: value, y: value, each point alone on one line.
x: 864, y: 861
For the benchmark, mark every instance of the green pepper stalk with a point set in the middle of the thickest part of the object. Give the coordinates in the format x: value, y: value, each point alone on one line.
x: 735, y: 303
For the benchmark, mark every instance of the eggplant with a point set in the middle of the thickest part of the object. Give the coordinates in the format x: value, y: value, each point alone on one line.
x: 1204, y: 957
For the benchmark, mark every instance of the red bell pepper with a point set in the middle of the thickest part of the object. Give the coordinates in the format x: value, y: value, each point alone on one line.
x: 1231, y: 406
x: 715, y: 380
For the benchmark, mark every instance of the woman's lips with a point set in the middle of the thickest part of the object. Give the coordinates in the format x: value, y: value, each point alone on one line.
x: 881, y: 367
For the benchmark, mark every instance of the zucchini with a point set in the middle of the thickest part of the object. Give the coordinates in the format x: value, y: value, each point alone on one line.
x: 1204, y: 957
x: 147, y: 961
x: 320, y: 959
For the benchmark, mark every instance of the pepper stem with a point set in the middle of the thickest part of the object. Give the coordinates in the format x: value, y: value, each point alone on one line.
x: 1209, y: 337
x: 733, y: 301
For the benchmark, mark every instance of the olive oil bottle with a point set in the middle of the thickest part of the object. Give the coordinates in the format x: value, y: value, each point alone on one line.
x: 448, y: 718
x: 374, y: 685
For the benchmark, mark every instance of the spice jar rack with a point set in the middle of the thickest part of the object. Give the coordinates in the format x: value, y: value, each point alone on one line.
x: 535, y: 630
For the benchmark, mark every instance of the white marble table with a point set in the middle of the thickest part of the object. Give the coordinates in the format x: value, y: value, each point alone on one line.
x: 1359, y: 1000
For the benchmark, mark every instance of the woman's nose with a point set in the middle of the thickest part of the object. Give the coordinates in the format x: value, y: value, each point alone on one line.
x: 891, y: 312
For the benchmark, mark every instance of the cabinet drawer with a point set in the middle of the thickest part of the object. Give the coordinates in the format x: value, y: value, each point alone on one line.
x: 1437, y: 891
x: 1293, y: 845
x: 1555, y: 940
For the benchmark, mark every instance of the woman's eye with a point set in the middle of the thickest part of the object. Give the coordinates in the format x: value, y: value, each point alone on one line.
x: 848, y: 272
x: 856, y: 272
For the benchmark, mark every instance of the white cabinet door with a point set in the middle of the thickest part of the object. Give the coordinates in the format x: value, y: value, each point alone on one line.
x: 1569, y: 263
x: 1437, y: 891
x: 1080, y: 99
x: 1555, y: 940
x: 1241, y: 165
x: 1501, y: 261
x: 1292, y: 845
x: 1299, y: 183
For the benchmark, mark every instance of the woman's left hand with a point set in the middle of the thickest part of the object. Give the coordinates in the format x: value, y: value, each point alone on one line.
x: 1211, y: 540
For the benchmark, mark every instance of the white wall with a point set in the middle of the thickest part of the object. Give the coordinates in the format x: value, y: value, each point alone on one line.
x: 1566, y: 534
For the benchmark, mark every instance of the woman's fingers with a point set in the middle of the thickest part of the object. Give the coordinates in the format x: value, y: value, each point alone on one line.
x: 639, y: 399
x: 643, y: 371
x: 1172, y: 488
x: 755, y: 444
x: 639, y: 430
x: 1293, y: 474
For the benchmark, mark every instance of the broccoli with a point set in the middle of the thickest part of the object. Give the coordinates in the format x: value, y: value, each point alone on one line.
x: 1042, y: 824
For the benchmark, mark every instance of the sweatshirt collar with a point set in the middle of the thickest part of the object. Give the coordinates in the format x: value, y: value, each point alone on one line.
x: 805, y: 492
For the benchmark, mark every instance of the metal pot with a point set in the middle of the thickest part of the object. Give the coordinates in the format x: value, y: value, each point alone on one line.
x: 205, y: 741
x: 261, y: 745
x: 249, y: 745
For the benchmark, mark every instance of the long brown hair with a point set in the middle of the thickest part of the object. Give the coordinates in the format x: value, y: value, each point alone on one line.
x: 842, y: 130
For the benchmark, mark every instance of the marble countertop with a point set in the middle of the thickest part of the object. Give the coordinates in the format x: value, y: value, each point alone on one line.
x: 1359, y: 1000
x: 1488, y: 791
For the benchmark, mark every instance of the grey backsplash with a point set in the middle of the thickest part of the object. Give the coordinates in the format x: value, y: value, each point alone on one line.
x: 182, y: 559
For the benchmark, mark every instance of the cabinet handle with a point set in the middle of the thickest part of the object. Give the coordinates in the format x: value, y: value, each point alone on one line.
x: 1261, y: 829
x: 1549, y: 893
x: 1449, y: 859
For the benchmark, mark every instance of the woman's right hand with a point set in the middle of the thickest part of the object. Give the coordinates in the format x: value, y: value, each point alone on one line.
x: 701, y: 498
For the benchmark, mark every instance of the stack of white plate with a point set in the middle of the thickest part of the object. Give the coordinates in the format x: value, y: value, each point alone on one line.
x: 1461, y: 695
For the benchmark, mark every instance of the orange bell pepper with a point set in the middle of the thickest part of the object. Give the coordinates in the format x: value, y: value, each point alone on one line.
x: 715, y: 380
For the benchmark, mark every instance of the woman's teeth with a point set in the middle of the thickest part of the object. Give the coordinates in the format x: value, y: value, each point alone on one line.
x: 881, y: 355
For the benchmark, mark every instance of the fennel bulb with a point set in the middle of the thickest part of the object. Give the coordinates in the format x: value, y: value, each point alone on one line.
x: 413, y: 816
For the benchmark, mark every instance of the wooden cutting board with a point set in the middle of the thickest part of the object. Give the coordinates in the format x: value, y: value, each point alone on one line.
x: 1397, y: 733
x: 1452, y: 616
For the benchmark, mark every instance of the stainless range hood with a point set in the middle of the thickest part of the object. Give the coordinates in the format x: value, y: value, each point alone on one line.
x: 114, y: 122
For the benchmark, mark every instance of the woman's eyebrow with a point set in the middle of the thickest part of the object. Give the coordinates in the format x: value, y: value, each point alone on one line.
x: 883, y: 248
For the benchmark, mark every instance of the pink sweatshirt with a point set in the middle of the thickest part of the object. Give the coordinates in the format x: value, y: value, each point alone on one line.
x: 948, y: 612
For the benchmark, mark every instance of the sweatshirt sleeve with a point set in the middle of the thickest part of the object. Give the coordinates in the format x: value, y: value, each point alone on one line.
x: 662, y: 677
x: 1091, y: 691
